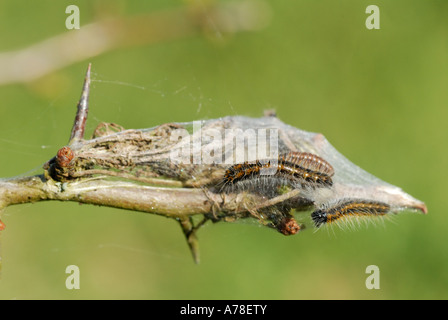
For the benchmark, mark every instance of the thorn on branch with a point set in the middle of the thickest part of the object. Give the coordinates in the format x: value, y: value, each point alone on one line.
x: 83, y: 109
x: 190, y: 230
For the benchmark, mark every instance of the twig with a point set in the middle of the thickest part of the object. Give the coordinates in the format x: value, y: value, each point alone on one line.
x: 134, y: 170
x: 94, y: 39
x: 83, y: 109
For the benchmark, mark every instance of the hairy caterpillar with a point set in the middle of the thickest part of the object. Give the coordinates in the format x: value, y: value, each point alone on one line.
x: 346, y: 208
x: 293, y: 168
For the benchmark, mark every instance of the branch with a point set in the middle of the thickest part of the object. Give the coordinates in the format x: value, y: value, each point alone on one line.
x: 177, y: 172
x: 215, y: 20
x: 169, y: 202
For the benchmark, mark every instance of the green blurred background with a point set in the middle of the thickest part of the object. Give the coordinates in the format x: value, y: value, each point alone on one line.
x: 379, y: 96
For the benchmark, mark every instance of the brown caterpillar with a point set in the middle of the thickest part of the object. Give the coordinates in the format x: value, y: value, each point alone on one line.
x: 294, y: 167
x: 348, y: 208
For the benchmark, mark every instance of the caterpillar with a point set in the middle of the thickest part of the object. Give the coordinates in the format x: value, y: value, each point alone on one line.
x: 294, y: 168
x: 330, y: 213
